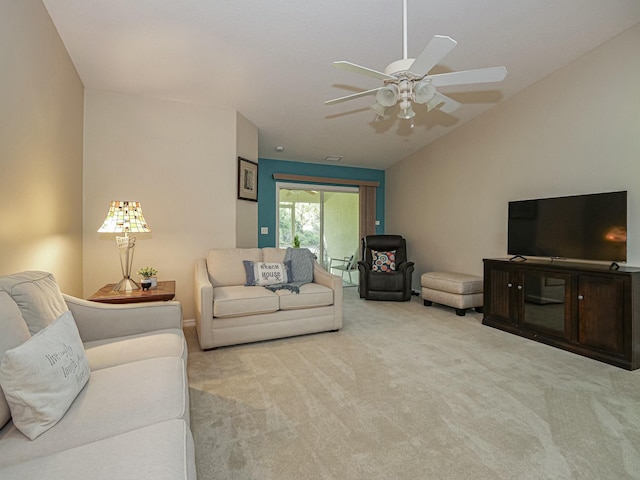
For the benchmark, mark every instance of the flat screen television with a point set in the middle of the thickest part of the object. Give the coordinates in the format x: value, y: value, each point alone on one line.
x: 585, y: 227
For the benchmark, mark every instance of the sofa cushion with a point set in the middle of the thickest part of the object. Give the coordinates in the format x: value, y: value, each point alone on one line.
x: 386, y: 282
x: 240, y: 300
x: 225, y: 265
x: 271, y: 254
x: 121, y: 350
x: 311, y: 295
x: 14, y: 333
x: 163, y: 451
x: 38, y: 297
x: 116, y: 400
x: 43, y: 376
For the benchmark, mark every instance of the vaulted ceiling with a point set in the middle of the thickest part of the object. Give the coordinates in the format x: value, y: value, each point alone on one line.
x: 271, y: 60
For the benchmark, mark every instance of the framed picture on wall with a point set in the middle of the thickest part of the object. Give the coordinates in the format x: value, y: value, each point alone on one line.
x: 247, y: 180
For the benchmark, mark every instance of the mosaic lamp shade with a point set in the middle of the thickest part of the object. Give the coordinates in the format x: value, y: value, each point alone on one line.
x: 125, y: 217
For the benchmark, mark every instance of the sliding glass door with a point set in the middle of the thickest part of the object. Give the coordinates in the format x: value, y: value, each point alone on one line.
x: 299, y: 214
x: 322, y: 219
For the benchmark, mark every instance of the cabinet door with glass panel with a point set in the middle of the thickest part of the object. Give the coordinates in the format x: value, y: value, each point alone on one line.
x: 546, y: 302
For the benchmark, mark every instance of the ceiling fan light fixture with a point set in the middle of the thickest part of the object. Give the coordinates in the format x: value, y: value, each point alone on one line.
x: 379, y: 109
x: 387, y: 96
x: 380, y: 112
x: 433, y: 103
x: 424, y: 91
x: 407, y: 114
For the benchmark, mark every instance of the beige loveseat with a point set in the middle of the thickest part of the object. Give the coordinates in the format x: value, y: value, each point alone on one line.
x: 229, y: 313
x: 131, y: 418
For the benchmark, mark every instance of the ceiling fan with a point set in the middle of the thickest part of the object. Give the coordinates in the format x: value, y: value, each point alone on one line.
x: 407, y: 81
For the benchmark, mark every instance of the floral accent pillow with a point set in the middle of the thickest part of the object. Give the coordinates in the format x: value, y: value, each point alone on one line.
x: 383, y: 261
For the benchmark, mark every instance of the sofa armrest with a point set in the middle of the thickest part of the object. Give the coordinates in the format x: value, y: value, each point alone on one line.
x: 404, y: 266
x: 99, y: 321
x: 334, y: 282
x: 322, y: 277
x: 364, y: 270
x: 364, y: 267
x: 203, y: 291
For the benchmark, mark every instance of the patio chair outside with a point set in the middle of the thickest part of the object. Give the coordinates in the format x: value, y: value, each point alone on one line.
x: 345, y: 264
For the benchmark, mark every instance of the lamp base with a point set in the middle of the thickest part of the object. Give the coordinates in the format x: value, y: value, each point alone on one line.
x: 126, y: 285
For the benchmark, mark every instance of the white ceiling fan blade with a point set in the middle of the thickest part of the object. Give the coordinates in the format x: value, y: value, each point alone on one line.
x: 351, y: 97
x: 447, y: 104
x: 436, y: 50
x: 352, y: 67
x: 481, y: 75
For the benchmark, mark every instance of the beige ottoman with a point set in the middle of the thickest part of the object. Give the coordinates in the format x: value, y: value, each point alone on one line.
x: 457, y: 290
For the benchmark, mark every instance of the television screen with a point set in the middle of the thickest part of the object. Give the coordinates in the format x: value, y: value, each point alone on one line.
x: 587, y: 227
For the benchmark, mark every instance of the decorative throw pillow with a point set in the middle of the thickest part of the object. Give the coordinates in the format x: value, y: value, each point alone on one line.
x: 42, y: 377
x: 261, y: 273
x: 383, y: 261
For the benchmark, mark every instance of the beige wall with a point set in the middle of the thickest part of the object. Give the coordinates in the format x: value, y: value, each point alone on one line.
x: 179, y: 161
x: 576, y: 131
x: 246, y: 211
x: 41, y: 101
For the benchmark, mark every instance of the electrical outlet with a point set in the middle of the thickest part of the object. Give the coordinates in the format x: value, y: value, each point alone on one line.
x: 264, y: 230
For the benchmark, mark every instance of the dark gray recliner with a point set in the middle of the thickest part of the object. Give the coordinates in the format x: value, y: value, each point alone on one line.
x: 393, y: 285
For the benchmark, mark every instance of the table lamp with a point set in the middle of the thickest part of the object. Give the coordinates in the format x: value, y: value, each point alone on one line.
x: 125, y: 217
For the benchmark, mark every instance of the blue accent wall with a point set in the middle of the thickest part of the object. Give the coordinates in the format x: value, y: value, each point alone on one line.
x: 267, y: 189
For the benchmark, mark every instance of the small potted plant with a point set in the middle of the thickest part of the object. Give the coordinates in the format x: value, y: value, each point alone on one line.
x: 296, y: 242
x: 149, y: 278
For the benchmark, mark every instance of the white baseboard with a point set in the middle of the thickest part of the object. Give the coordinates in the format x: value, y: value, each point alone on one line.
x: 189, y: 322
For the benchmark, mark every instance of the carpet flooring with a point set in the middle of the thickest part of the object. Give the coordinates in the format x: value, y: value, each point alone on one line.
x: 405, y: 391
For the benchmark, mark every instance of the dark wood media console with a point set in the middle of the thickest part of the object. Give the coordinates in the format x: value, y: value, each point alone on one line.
x: 584, y: 308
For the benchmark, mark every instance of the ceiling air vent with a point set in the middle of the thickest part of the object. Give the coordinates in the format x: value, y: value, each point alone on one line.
x: 333, y: 158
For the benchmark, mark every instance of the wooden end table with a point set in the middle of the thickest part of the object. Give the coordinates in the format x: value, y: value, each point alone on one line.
x: 164, y: 291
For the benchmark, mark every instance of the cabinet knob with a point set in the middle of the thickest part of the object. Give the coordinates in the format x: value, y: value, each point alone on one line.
x: 509, y: 285
x: 519, y: 287
x: 580, y: 297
